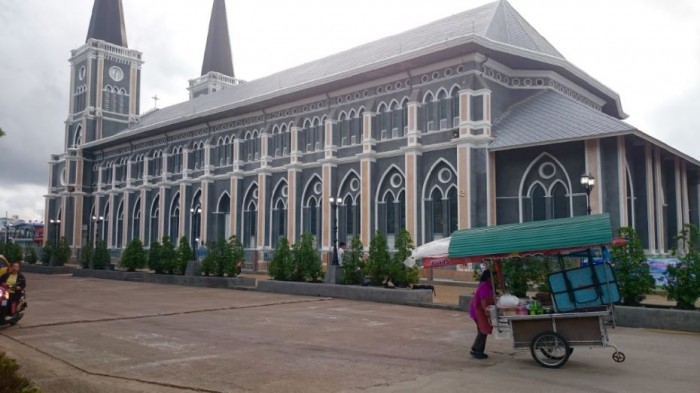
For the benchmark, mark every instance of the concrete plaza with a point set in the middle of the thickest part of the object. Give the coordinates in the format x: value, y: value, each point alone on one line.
x: 89, y: 335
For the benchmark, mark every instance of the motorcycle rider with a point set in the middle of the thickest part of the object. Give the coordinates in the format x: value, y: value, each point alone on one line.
x: 16, y: 283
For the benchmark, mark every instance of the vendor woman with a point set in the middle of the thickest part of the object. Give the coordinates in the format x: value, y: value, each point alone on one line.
x: 482, y: 298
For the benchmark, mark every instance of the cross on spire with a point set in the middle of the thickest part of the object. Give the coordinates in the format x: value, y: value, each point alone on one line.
x: 155, y: 101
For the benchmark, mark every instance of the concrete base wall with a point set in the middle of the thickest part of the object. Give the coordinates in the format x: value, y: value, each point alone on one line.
x: 641, y: 317
x: 658, y: 318
x: 43, y: 269
x: 371, y: 294
x: 207, y: 282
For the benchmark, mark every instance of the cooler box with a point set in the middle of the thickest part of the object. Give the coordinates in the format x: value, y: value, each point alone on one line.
x: 584, y: 287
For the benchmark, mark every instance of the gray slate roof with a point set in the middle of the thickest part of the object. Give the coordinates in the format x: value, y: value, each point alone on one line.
x: 217, y: 54
x: 548, y: 117
x: 107, y: 22
x: 496, y: 21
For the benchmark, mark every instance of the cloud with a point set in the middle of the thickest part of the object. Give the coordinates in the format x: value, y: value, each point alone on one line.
x: 23, y: 200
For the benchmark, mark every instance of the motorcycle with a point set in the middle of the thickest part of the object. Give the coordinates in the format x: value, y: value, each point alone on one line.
x: 7, y: 317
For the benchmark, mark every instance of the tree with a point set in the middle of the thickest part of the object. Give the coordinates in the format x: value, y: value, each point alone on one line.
x: 282, y: 264
x: 683, y: 279
x: 378, y: 266
x: 233, y: 269
x: 631, y: 268
x: 101, y: 257
x: 154, y: 262
x: 2, y: 133
x: 46, y: 252
x: 184, y: 255
x: 62, y: 252
x: 307, y: 261
x: 354, y: 262
x: 168, y: 256
x: 30, y: 255
x: 86, y: 256
x: 134, y: 256
x: 12, y: 252
x: 402, y: 275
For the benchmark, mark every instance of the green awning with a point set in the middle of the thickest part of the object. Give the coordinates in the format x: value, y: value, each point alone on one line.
x: 530, y: 238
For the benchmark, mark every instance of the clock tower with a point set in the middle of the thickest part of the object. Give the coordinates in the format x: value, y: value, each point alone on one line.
x: 105, y: 79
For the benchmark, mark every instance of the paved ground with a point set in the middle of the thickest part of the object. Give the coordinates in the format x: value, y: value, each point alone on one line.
x: 89, y: 335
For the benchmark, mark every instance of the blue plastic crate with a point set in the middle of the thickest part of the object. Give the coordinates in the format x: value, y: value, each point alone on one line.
x: 584, y: 287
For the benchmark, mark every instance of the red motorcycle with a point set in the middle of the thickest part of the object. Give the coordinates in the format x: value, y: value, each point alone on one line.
x: 10, y: 313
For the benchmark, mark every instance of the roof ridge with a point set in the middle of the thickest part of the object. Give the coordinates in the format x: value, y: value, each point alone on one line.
x: 526, y: 26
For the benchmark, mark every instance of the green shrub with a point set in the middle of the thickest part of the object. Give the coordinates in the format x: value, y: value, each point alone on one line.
x: 306, y: 260
x: 282, y: 263
x: 46, y: 252
x: 683, y: 279
x: 208, y: 263
x: 12, y: 252
x: 378, y: 266
x: 30, y: 255
x: 169, y: 258
x: 402, y: 275
x: 62, y: 252
x: 631, y: 268
x: 154, y: 258
x: 354, y: 262
x: 184, y: 255
x: 10, y: 379
x: 233, y: 266
x: 101, y: 257
x: 86, y: 256
x: 134, y: 256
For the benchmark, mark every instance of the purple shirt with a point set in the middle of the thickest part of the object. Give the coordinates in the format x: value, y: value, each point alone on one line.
x: 483, y: 291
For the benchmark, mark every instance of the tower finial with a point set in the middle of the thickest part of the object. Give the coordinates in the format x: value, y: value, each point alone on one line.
x: 107, y: 22
x: 217, y: 55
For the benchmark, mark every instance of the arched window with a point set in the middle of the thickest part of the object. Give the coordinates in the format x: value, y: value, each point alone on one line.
x: 357, y: 128
x: 105, y: 225
x: 442, y: 109
x: 119, y: 239
x: 279, y: 221
x: 396, y: 117
x: 155, y: 215
x: 538, y: 202
x: 384, y: 120
x: 174, y: 218
x: 455, y: 106
x: 404, y: 111
x: 560, y: 201
x: 344, y: 134
x: 311, y: 213
x: 77, y: 136
x: 250, y: 218
x: 438, y: 214
x: 223, y: 217
x: 136, y: 227
x: 452, y: 211
x: 429, y: 112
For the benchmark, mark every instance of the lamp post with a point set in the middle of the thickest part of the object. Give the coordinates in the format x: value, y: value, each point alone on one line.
x: 335, y: 202
x: 195, y: 214
x: 588, y: 182
x: 57, y: 225
x: 97, y: 220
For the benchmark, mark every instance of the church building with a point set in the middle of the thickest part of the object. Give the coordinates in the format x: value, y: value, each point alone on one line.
x: 468, y: 121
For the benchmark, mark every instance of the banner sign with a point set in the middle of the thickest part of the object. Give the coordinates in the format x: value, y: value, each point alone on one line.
x: 657, y: 268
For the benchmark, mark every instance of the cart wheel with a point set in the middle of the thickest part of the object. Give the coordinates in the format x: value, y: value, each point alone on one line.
x: 550, y: 350
x: 618, y: 357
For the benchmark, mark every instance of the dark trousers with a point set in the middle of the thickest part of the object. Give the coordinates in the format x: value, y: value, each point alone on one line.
x: 480, y: 341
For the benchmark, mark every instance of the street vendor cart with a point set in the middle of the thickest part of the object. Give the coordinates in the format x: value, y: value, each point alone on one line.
x: 582, y: 297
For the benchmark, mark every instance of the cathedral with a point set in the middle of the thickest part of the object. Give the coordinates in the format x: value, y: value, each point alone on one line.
x: 468, y: 121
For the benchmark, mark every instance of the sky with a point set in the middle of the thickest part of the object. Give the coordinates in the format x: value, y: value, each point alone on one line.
x: 648, y: 51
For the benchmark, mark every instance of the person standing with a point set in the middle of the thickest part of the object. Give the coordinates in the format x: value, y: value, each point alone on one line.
x: 341, y: 252
x: 483, y: 297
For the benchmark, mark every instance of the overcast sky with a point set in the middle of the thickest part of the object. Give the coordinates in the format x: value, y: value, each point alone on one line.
x: 648, y: 51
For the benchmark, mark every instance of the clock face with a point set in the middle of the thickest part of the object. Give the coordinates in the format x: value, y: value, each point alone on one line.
x: 116, y: 73
x: 81, y: 73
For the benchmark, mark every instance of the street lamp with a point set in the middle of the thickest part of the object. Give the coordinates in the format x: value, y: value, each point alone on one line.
x: 57, y: 224
x: 335, y: 202
x: 97, y: 220
x: 588, y: 182
x: 195, y: 213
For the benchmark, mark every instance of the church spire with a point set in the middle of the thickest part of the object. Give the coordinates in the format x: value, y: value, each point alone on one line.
x: 107, y: 22
x: 217, y: 55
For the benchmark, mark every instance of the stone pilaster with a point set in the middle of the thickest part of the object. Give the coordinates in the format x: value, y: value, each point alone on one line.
x: 292, y: 204
x: 145, y: 216
x: 183, y: 213
x: 463, y: 183
x: 78, y: 221
x: 622, y: 180
x: 262, y: 208
x: 660, y: 222
x: 368, y: 145
x: 204, y: 218
x: 651, y: 215
x: 234, y: 206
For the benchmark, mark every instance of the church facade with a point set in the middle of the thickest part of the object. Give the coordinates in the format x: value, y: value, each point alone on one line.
x: 469, y: 121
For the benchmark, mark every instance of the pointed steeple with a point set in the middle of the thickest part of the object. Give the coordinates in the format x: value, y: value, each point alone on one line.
x: 107, y: 22
x: 217, y: 55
